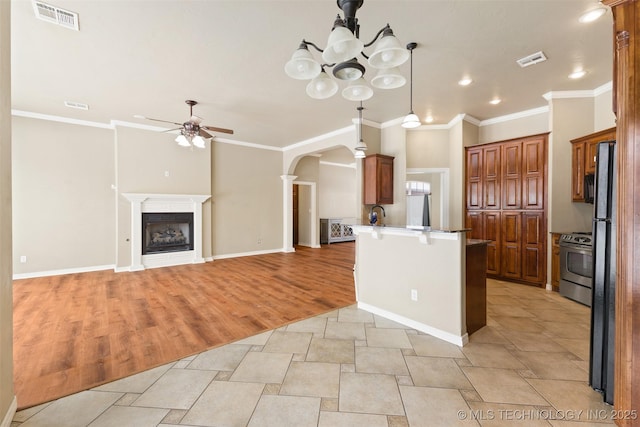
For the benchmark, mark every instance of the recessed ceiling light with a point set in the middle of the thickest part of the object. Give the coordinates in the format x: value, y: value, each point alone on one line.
x: 495, y: 101
x: 429, y: 119
x: 577, y: 74
x: 592, y: 14
x: 465, y: 81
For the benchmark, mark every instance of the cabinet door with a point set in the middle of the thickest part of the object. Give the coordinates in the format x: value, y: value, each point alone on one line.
x: 491, y: 226
x: 511, y: 245
x: 577, y: 171
x: 511, y: 175
x: 474, y: 178
x: 591, y: 151
x: 474, y: 222
x: 533, y: 164
x: 378, y: 179
x: 385, y: 180
x: 491, y: 177
x: 533, y: 247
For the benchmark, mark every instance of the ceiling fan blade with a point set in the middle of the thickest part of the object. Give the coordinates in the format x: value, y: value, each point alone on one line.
x: 195, y: 119
x: 171, y: 130
x: 137, y: 116
x: 214, y: 129
x: 205, y: 134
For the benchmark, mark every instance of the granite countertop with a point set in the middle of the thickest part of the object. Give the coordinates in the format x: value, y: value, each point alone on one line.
x: 473, y: 242
x: 414, y: 227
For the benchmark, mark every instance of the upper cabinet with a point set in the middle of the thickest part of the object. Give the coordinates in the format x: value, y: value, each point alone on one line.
x: 507, y: 175
x: 378, y: 179
x: 583, y: 159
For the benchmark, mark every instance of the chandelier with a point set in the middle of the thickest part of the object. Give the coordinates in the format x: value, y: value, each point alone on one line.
x: 343, y: 47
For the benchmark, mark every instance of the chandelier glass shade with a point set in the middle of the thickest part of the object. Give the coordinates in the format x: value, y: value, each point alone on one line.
x: 322, y: 86
x: 343, y: 48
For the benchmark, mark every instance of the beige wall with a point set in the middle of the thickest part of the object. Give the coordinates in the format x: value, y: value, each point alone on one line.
x: 603, y: 111
x: 246, y: 190
x: 428, y: 148
x: 516, y: 128
x: 7, y: 397
x: 569, y: 119
x: 337, y: 191
x: 63, y: 203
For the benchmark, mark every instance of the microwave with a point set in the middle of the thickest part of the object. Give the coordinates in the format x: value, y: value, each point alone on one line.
x: 589, y: 188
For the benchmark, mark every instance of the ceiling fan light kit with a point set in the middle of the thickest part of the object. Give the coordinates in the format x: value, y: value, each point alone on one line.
x: 192, y: 133
x: 343, y: 47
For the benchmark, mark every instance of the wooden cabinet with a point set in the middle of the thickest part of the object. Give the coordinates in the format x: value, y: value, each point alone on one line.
x: 506, y: 199
x: 583, y: 159
x: 476, y: 286
x: 378, y: 179
x: 555, y: 261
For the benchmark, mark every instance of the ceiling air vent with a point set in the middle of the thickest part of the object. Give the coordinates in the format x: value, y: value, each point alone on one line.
x: 532, y: 59
x: 78, y: 105
x: 56, y: 15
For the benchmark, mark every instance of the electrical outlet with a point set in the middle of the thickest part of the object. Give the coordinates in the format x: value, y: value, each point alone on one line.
x: 259, y: 240
x: 414, y: 295
x: 23, y: 259
x: 166, y: 174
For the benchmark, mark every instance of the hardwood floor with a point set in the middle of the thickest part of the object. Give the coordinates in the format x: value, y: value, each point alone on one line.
x: 77, y: 331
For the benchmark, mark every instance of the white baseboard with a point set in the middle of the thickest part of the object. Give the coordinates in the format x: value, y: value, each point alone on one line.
x: 63, y: 271
x: 8, y: 417
x: 548, y: 287
x: 241, y: 254
x: 443, y: 335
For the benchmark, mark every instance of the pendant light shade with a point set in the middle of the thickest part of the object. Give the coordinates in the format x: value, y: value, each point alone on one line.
x: 388, y: 52
x: 359, y: 154
x: 198, y: 141
x: 349, y: 70
x: 183, y: 141
x: 411, y: 120
x: 322, y: 87
x: 302, y: 66
x: 357, y: 90
x: 388, y: 79
x: 342, y: 44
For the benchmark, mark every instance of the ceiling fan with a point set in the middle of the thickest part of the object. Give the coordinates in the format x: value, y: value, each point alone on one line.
x: 191, y: 131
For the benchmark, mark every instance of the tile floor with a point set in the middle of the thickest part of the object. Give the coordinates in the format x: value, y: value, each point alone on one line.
x: 527, y: 367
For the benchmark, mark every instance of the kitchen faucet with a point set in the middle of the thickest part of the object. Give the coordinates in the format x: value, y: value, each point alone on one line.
x: 373, y: 216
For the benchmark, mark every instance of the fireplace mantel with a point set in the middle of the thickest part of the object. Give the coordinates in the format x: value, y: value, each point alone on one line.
x: 145, y: 203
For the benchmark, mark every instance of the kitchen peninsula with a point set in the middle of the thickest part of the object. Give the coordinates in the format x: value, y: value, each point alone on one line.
x: 416, y: 277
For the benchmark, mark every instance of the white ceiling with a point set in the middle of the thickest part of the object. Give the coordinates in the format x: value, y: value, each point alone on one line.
x: 147, y: 57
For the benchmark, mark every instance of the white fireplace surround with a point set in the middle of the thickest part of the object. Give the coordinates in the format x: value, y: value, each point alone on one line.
x: 164, y: 203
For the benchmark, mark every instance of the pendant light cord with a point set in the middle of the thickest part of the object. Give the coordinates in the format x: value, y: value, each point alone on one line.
x: 411, y: 46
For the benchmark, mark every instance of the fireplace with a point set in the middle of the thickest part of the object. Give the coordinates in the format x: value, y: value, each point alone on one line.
x: 167, y: 232
x: 166, y: 229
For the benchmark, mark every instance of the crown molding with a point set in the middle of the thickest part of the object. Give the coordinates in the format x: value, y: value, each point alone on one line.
x: 60, y: 119
x: 319, y: 138
x: 515, y: 116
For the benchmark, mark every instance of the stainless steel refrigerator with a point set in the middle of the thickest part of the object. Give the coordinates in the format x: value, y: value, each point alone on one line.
x: 604, y: 272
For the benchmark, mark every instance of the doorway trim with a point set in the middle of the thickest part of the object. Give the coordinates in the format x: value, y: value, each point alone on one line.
x: 313, y: 215
x: 444, y: 190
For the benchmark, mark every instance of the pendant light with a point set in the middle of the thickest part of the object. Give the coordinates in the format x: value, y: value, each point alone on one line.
x: 361, y: 147
x: 411, y: 120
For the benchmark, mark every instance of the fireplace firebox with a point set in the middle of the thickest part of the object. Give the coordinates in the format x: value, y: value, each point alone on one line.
x: 167, y: 232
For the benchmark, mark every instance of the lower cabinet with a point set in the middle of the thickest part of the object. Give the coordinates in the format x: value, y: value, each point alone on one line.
x: 333, y: 230
x: 517, y: 243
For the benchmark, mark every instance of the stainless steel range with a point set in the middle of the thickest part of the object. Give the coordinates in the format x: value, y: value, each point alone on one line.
x: 576, y: 267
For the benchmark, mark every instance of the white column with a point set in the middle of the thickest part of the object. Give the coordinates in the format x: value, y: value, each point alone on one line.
x: 197, y: 231
x: 287, y: 212
x: 136, y: 232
